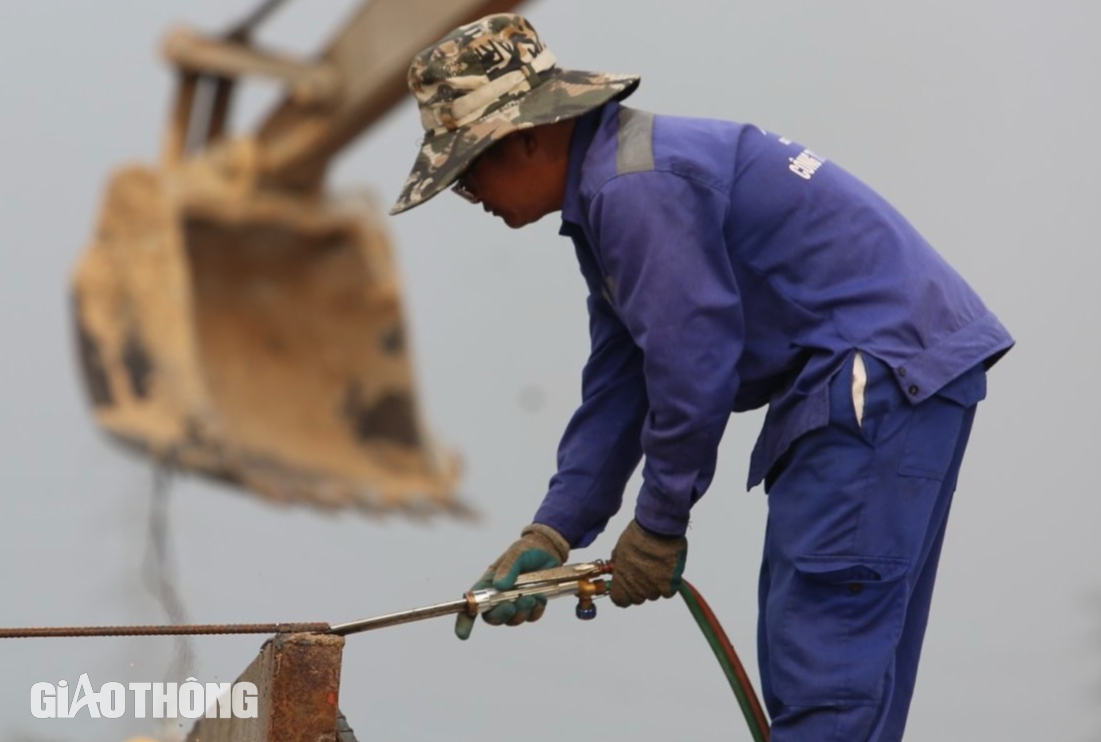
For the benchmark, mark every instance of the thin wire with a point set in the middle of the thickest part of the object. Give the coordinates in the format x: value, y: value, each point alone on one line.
x: 159, y: 568
x: 159, y: 572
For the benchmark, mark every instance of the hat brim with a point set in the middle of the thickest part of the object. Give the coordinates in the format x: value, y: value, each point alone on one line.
x: 564, y: 94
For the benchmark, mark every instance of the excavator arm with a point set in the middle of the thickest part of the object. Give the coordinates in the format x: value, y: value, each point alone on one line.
x: 330, y: 101
x: 371, y: 56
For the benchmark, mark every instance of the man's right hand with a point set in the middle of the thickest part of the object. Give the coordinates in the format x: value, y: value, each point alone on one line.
x: 539, y: 547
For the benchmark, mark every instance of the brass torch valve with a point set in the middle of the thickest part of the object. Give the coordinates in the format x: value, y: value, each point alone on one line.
x: 587, y: 589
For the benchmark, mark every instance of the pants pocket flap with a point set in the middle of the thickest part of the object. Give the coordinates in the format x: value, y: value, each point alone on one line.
x: 830, y: 569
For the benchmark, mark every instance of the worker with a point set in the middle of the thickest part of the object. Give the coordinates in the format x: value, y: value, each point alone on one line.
x: 729, y: 268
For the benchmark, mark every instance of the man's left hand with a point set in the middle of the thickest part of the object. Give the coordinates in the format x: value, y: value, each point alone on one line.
x: 648, y: 566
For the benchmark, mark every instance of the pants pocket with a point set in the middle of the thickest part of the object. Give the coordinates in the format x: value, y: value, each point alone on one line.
x: 842, y: 619
x: 931, y: 439
x: 936, y: 424
x: 860, y: 383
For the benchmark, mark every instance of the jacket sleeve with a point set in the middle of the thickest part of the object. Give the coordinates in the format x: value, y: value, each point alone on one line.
x: 660, y: 237
x: 601, y: 446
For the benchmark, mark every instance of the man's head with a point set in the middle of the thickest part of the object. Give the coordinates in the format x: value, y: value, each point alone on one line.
x: 493, y: 85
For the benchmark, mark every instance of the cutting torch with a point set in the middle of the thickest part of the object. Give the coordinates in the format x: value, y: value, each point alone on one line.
x: 583, y: 580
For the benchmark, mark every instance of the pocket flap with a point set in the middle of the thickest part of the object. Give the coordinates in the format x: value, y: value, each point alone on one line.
x: 968, y: 389
x: 851, y: 568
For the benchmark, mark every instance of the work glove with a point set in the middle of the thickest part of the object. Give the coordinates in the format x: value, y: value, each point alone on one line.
x: 539, y: 547
x: 647, y: 566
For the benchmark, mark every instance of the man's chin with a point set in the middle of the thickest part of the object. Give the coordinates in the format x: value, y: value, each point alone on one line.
x: 515, y: 222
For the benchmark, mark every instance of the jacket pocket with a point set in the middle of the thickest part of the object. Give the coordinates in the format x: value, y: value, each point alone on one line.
x: 843, y: 617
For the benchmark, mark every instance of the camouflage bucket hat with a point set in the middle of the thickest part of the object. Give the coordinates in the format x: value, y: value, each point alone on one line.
x: 484, y: 81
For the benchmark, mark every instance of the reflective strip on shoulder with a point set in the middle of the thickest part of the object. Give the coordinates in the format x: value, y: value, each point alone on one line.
x: 635, y: 141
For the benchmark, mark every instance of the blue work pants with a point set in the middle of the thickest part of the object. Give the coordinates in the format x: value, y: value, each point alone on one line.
x: 857, y: 513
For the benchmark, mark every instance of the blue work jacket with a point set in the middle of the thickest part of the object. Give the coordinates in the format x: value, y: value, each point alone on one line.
x: 729, y: 268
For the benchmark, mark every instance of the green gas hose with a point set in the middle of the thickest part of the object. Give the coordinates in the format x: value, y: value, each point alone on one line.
x: 728, y: 659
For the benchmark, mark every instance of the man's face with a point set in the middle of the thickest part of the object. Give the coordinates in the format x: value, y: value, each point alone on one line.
x: 511, y: 180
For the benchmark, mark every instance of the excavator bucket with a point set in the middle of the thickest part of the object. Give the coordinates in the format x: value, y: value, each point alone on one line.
x: 258, y: 339
x: 236, y: 320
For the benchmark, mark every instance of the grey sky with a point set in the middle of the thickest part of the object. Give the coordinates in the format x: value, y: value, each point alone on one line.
x: 977, y: 119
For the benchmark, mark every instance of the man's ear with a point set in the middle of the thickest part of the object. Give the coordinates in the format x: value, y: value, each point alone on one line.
x: 529, y: 138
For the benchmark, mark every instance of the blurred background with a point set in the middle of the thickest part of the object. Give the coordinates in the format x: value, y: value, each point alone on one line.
x: 976, y: 119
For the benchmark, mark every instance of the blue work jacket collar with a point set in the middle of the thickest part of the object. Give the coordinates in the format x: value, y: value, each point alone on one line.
x: 583, y: 134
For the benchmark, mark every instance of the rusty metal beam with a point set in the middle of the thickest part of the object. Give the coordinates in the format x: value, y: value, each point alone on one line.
x: 297, y: 677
